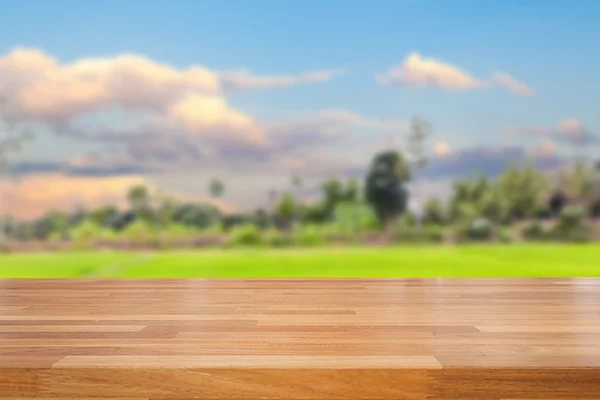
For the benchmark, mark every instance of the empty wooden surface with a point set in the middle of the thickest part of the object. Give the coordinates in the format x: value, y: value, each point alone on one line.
x: 321, y: 339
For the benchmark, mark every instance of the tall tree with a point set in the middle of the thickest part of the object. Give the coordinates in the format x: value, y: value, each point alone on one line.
x: 286, y: 209
x: 384, y: 186
x: 216, y: 188
x: 139, y: 202
x: 418, y: 136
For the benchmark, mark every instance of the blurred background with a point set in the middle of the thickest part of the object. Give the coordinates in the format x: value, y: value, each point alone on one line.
x: 222, y: 124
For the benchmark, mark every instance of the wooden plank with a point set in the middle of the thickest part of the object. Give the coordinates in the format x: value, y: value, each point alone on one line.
x: 300, y: 339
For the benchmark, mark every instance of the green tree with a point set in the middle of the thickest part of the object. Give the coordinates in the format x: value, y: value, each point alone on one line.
x: 140, y: 202
x: 166, y: 210
x: 521, y: 190
x: 216, y: 188
x: 352, y: 192
x: 384, y: 186
x: 286, y: 208
x: 419, y: 134
x: 297, y: 182
x: 103, y: 216
x: 434, y: 212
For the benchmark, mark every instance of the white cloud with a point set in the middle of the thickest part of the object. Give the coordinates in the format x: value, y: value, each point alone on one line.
x: 243, y: 79
x: 420, y: 72
x: 190, y: 99
x: 513, y: 85
x: 211, y: 117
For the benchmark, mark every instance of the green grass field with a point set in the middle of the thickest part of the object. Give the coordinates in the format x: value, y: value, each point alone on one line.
x: 522, y: 260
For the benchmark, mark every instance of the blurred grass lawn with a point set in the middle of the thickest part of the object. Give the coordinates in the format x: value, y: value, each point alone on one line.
x: 508, y: 260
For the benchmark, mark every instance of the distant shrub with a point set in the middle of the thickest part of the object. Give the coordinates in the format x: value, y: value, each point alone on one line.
x: 355, y: 217
x: 84, y: 234
x: 275, y: 238
x: 480, y: 229
x: 432, y: 233
x: 543, y: 211
x: 533, y: 231
x: 426, y: 234
x: 310, y: 235
x: 571, y: 225
x: 139, y: 231
x: 4, y: 248
x: 505, y: 235
x: 245, y: 235
x: 86, y: 230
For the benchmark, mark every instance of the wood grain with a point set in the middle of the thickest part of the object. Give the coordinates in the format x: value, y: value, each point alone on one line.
x: 144, y: 339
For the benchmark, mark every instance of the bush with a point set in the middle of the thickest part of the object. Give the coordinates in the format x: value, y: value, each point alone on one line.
x: 571, y: 225
x: 355, y: 217
x: 481, y: 229
x: 275, y: 238
x: 505, y: 235
x: 139, y: 231
x: 310, y: 235
x: 246, y: 235
x: 533, y: 231
x: 427, y: 234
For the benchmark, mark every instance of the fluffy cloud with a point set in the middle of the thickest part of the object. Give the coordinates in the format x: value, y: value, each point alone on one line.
x: 292, y: 138
x: 569, y: 130
x: 189, y: 100
x: 513, y: 85
x: 25, y: 200
x: 418, y: 71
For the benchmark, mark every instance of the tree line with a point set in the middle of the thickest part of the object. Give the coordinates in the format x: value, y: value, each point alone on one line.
x: 522, y: 202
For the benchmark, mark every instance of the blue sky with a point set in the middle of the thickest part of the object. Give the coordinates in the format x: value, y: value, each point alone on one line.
x: 549, y: 46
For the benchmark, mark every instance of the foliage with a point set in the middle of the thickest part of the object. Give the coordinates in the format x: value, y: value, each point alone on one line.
x: 473, y: 198
x: 558, y: 200
x: 139, y: 231
x: 286, y: 208
x: 479, y: 229
x: 310, y: 235
x: 216, y: 188
x: 571, y: 225
x: 275, y: 238
x: 427, y: 234
x: 139, y: 202
x: 245, y: 235
x: 420, y: 131
x: 355, y: 217
x: 533, y: 230
x: 521, y: 190
x: 434, y: 212
x: 85, y: 234
x: 595, y: 208
x: 87, y: 230
x: 195, y: 215
x: 384, y: 185
x: 505, y: 235
x: 103, y: 216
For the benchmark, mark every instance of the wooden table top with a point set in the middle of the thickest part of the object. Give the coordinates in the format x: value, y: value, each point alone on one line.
x: 299, y: 324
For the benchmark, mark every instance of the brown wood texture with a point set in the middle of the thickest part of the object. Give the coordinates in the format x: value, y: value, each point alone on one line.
x: 300, y: 339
